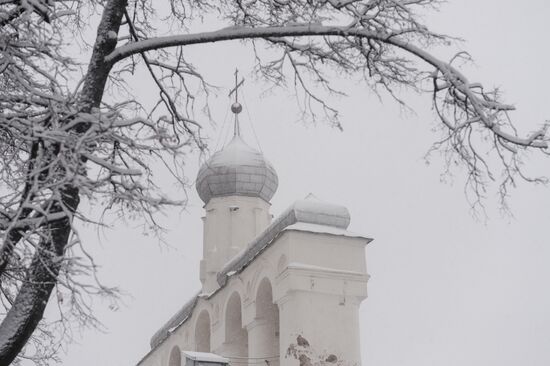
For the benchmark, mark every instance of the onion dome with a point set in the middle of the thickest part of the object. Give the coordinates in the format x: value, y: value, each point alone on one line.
x: 237, y: 170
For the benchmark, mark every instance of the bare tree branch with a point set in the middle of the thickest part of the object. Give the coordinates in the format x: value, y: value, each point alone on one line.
x: 64, y: 141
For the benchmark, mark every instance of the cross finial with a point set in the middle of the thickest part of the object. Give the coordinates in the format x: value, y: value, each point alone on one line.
x: 236, y: 107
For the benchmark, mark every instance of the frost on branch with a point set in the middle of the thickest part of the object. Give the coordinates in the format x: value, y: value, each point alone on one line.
x: 385, y: 43
x: 57, y: 151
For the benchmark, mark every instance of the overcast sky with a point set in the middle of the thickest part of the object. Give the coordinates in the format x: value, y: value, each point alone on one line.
x: 446, y: 289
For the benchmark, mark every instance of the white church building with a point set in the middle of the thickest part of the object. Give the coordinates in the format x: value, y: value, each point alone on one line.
x: 281, y: 291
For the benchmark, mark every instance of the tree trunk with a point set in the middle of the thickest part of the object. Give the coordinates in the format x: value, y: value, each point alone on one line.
x: 30, y: 303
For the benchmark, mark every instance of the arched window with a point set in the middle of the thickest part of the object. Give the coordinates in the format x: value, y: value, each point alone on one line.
x: 175, y: 357
x: 236, y: 337
x: 266, y: 329
x: 202, y: 332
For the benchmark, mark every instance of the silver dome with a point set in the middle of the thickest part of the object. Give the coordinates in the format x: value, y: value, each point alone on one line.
x: 238, y: 170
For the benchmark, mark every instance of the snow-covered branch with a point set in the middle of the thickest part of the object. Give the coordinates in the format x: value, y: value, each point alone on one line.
x: 62, y: 141
x: 477, y: 103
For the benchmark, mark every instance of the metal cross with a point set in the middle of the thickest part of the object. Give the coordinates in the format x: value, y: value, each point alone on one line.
x: 237, y: 85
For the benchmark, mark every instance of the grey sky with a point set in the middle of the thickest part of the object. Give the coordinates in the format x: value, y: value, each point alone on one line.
x: 445, y: 289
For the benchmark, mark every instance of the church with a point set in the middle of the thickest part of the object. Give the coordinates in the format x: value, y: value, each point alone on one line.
x: 281, y: 291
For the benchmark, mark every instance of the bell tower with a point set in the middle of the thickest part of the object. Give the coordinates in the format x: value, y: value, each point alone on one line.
x: 281, y: 292
x: 236, y: 185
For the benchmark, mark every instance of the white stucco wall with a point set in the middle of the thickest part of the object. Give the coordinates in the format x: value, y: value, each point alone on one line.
x: 318, y: 280
x: 230, y: 223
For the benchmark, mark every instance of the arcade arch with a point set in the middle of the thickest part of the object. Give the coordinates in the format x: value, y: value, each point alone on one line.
x: 202, y: 332
x: 264, y: 330
x: 236, y: 337
x: 175, y: 357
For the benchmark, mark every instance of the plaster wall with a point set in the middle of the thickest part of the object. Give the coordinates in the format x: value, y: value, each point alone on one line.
x: 318, y: 327
x: 230, y: 223
x: 318, y: 281
x: 328, y: 251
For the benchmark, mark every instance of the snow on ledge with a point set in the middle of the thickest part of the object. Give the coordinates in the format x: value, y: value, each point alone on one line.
x: 310, y: 267
x: 204, y: 357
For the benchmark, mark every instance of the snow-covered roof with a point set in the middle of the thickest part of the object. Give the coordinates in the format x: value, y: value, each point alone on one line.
x: 177, y: 319
x: 204, y: 357
x: 309, y: 214
x: 237, y: 169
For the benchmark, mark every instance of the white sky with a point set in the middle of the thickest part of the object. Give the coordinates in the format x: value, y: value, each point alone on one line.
x: 445, y: 289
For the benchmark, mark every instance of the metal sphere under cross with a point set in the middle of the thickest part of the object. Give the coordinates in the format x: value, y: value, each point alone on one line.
x: 236, y: 107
